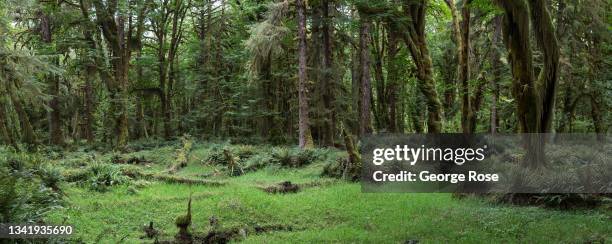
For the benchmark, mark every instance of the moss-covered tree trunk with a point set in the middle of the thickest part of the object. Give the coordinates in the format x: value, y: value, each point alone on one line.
x: 27, y: 132
x: 451, y: 57
x: 122, y: 36
x: 414, y: 37
x: 467, y: 112
x: 535, y: 98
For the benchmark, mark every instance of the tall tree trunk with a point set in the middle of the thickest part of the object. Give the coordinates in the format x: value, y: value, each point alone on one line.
x: 55, y: 123
x: 163, y: 85
x: 355, y: 90
x: 393, y: 88
x: 94, y: 65
x: 450, y: 77
x: 305, y: 137
x: 415, y: 113
x: 547, y: 79
x: 112, y: 21
x: 328, y: 78
x: 496, y: 70
x: 365, y: 125
x: 415, y: 40
x: 535, y: 98
x: 381, y: 108
x: 140, y: 129
x: 90, y: 71
x: 463, y: 72
x: 55, y: 120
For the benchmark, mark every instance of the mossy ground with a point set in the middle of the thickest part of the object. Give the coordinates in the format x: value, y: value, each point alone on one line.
x: 328, y: 210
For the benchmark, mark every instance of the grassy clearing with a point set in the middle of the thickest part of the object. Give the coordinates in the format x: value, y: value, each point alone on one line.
x: 324, y: 210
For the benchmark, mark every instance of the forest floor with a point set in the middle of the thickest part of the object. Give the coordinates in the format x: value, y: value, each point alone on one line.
x: 323, y: 210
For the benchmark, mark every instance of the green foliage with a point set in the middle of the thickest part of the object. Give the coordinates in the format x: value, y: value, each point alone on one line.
x: 25, y: 195
x: 100, y: 176
x: 50, y: 176
x: 266, y: 36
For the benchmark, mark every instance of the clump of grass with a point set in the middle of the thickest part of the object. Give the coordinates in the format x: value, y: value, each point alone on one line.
x: 140, y: 184
x: 295, y: 157
x: 257, y: 161
x: 168, y: 178
x: 282, y: 188
x: 244, y: 151
x: 100, y: 176
x: 50, y: 176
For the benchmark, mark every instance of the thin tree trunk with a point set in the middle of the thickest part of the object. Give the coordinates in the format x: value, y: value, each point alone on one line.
x: 355, y: 90
x: 463, y: 72
x: 305, y: 137
x: 90, y: 71
x: 55, y: 129
x: 450, y: 77
x: 496, y: 70
x: 394, y: 86
x: 328, y: 80
x: 365, y: 126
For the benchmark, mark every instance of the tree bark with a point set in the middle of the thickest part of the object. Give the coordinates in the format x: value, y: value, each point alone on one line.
x: 90, y: 71
x: 415, y: 40
x: 381, y: 109
x: 121, y: 43
x: 393, y: 88
x: 450, y: 77
x: 328, y: 78
x: 467, y: 113
x: 365, y: 126
x: 496, y: 71
x: 93, y: 65
x: 535, y: 98
x: 55, y: 121
x: 305, y: 137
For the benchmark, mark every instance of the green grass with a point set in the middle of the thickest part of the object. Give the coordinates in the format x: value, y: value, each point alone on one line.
x: 335, y: 212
